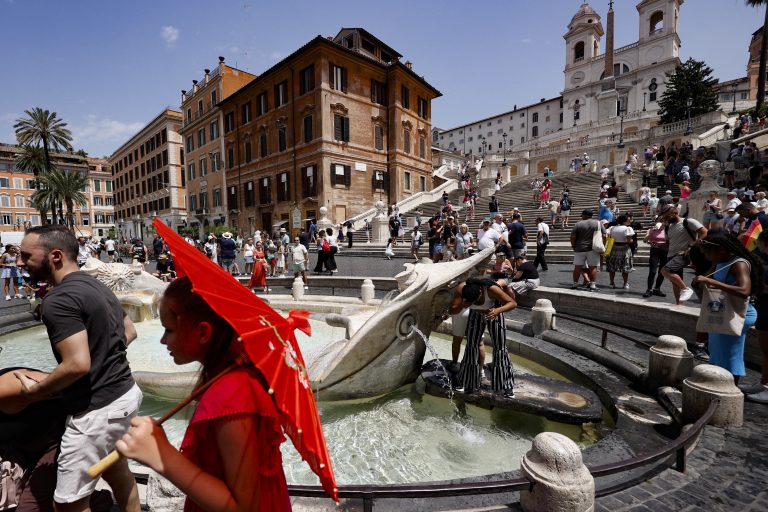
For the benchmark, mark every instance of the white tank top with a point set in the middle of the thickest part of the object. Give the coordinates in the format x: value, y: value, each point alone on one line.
x: 487, y: 304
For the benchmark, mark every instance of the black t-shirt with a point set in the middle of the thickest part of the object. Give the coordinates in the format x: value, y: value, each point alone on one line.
x: 449, y: 232
x: 157, y: 245
x: 515, y: 233
x: 528, y: 272
x: 79, y: 303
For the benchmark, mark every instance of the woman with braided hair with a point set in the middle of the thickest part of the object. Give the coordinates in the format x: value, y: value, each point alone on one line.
x: 739, y: 273
x: 487, y: 303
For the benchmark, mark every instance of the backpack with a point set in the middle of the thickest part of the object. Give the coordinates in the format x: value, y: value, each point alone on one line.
x: 326, y: 247
x: 565, y: 204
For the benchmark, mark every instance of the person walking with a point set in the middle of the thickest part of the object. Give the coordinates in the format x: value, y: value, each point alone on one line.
x: 620, y: 259
x: 299, y: 261
x: 585, y: 259
x: 565, y: 210
x: 416, y: 241
x: 89, y: 333
x: 350, y: 233
x: 493, y: 206
x: 656, y: 237
x: 681, y: 236
x: 542, y: 241
x: 10, y: 273
x: 259, y: 269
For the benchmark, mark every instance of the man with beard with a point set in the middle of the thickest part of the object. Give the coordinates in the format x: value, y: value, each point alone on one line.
x: 89, y: 334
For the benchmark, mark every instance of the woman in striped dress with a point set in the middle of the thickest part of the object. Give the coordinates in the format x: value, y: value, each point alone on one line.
x: 10, y: 272
x: 487, y: 303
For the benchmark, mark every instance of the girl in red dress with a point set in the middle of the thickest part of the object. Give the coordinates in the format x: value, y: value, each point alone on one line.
x: 259, y: 275
x: 230, y: 457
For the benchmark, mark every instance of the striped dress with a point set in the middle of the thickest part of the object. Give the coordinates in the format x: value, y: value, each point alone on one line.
x: 470, y: 373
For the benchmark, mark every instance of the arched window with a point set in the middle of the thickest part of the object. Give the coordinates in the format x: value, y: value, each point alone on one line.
x: 618, y: 70
x: 656, y: 23
x: 578, y: 52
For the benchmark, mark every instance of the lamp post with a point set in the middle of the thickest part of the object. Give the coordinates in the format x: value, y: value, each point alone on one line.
x: 689, y: 129
x: 504, y: 136
x: 733, y: 91
x: 380, y: 182
x: 644, y: 94
x: 622, y: 111
x: 482, y: 138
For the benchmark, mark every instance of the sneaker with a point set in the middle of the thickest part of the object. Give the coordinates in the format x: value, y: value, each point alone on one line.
x: 659, y: 293
x: 686, y: 294
x: 751, y: 389
x: 509, y: 394
x: 7, y: 297
x: 760, y: 398
x: 626, y: 286
x: 699, y: 351
x: 647, y: 294
x: 459, y: 389
x: 574, y: 286
x: 592, y: 287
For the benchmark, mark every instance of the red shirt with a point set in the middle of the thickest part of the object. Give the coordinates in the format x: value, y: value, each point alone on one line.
x: 236, y: 393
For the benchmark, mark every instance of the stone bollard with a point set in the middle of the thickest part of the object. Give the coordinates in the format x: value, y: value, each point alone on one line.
x: 562, y: 483
x: 367, y: 291
x: 297, y: 290
x: 707, y: 383
x: 669, y: 362
x: 542, y: 316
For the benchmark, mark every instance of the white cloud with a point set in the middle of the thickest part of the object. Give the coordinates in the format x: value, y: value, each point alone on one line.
x: 170, y: 34
x: 96, y: 130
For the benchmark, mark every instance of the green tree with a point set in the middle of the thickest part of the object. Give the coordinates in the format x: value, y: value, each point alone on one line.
x: 43, y: 128
x: 32, y: 159
x: 691, y: 79
x: 763, y: 49
x: 65, y: 187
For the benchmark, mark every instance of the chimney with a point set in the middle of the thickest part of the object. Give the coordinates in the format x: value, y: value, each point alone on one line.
x: 609, y: 43
x: 206, y: 78
x: 194, y: 86
x: 183, y: 93
x: 221, y: 59
x: 409, y: 64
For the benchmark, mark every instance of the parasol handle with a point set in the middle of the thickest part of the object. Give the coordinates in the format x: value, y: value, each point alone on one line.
x: 114, y: 456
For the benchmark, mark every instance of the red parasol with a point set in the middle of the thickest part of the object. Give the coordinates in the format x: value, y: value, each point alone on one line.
x: 270, y: 344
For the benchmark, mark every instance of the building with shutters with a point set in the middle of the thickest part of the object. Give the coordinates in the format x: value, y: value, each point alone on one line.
x: 340, y: 123
x: 204, y: 145
x: 147, y: 178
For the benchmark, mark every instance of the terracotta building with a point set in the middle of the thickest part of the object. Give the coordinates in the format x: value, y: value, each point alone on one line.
x: 17, y: 187
x: 204, y: 146
x: 339, y: 123
x: 148, y: 178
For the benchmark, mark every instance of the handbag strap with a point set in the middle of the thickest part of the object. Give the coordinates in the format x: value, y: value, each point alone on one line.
x: 728, y: 265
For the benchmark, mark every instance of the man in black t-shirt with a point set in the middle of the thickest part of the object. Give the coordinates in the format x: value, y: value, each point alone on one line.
x: 89, y: 334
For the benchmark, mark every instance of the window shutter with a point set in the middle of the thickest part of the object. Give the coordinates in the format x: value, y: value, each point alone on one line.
x: 374, y: 97
x: 344, y: 79
x: 347, y: 176
x: 386, y: 180
x: 338, y: 128
x: 287, y: 189
x: 379, y: 137
x: 304, y: 182
x: 346, y: 129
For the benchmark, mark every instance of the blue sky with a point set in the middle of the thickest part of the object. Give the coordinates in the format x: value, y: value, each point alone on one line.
x: 108, y: 67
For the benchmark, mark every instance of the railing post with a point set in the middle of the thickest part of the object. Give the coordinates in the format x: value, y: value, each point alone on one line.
x: 604, y: 340
x: 709, y: 383
x: 680, y: 457
x: 367, y: 503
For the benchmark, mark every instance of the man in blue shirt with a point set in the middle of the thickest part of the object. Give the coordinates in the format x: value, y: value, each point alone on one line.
x: 516, y: 236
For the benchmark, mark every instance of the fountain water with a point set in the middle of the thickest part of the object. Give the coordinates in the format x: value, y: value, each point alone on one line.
x: 436, y: 357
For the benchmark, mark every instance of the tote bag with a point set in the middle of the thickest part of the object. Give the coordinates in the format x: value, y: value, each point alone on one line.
x: 597, y: 240
x: 721, y: 312
x: 609, y: 245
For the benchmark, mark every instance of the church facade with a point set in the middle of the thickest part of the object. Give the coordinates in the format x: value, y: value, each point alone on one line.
x: 602, y: 84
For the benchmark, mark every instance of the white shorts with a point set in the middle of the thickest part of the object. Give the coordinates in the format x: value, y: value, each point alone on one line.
x: 565, y: 213
x: 87, y: 439
x: 586, y: 259
x: 459, y: 323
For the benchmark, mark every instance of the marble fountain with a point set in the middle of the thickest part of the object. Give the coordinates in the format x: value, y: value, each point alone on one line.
x: 364, y: 361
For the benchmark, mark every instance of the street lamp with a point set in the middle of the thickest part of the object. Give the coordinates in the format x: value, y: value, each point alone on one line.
x: 380, y: 182
x: 644, y: 101
x: 733, y: 90
x: 622, y: 111
x: 689, y: 129
x: 504, y: 136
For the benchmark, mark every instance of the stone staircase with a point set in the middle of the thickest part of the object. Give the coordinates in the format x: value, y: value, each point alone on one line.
x: 16, y: 315
x: 583, y: 190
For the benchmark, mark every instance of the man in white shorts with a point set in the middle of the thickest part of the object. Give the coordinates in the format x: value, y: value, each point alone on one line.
x: 89, y: 334
x: 585, y: 260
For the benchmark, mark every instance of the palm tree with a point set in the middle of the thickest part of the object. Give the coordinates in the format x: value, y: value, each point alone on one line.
x: 66, y: 187
x: 43, y: 127
x: 32, y: 159
x: 45, y: 199
x: 763, y: 49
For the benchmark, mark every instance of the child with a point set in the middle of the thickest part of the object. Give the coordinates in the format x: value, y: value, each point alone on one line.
x: 280, y: 266
x: 230, y: 457
x: 389, y: 251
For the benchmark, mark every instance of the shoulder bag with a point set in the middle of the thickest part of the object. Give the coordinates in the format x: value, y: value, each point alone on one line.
x: 597, y: 240
x: 721, y: 312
